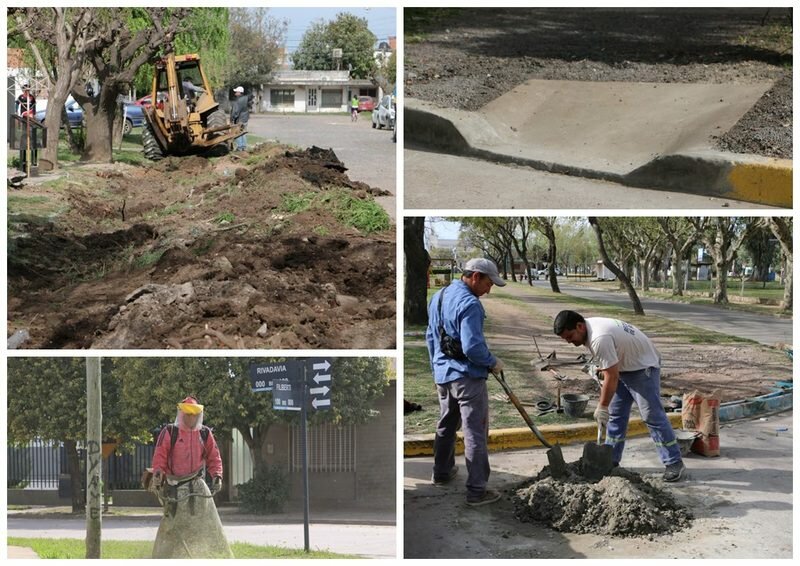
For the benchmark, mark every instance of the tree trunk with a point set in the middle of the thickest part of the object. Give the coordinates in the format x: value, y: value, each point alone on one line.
x: 721, y: 289
x: 75, y: 476
x: 623, y: 278
x: 787, y: 286
x: 100, y: 128
x: 52, y: 118
x: 415, y: 307
x: 782, y: 229
x: 551, y: 268
x: 677, y: 273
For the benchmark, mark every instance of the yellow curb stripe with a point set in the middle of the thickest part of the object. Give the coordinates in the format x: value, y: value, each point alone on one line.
x: 516, y: 438
x: 764, y: 183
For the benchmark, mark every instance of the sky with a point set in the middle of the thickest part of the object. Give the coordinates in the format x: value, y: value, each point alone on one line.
x: 382, y: 21
x: 445, y: 229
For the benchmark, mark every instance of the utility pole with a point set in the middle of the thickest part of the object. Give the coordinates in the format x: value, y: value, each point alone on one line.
x: 94, y: 452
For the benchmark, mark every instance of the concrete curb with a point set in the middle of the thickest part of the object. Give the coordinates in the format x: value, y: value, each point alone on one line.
x: 749, y: 178
x: 515, y: 438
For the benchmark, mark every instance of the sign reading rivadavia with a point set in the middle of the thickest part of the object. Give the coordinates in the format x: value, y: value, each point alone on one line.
x: 263, y: 375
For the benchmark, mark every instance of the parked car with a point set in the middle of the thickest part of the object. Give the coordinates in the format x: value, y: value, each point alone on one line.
x: 146, y: 101
x: 74, y: 113
x: 383, y: 116
x: 134, y: 115
x: 366, y: 104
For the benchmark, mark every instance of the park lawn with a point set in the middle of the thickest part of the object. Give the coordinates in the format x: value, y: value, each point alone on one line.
x: 525, y: 382
x: 76, y: 548
x: 752, y: 290
x: 649, y: 324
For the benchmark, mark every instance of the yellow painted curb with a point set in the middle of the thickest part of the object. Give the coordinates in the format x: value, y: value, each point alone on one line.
x: 515, y: 438
x: 765, y: 183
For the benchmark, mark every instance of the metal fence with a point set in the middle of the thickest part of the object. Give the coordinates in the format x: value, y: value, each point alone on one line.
x: 44, y: 465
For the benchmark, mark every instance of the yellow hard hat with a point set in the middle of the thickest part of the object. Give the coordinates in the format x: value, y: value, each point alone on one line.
x: 190, y: 406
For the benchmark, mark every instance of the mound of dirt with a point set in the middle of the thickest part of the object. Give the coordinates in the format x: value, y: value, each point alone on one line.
x: 192, y: 254
x: 622, y: 504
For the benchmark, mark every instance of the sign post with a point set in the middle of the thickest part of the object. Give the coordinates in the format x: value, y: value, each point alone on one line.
x: 304, y: 435
x: 297, y: 385
x: 94, y: 465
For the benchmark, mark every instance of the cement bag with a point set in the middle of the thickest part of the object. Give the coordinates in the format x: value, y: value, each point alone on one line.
x: 190, y: 528
x: 701, y: 413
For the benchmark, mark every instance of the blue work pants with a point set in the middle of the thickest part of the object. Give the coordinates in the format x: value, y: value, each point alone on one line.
x: 644, y: 387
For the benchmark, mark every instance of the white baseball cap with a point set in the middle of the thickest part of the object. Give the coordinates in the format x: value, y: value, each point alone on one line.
x: 238, y: 89
x: 487, y: 267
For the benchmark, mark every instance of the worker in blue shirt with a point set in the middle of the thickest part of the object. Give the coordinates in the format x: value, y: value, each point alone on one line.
x: 461, y: 362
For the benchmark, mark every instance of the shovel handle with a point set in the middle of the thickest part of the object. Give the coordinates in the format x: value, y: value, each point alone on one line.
x: 513, y: 398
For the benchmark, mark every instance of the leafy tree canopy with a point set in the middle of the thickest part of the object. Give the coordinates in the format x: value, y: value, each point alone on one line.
x: 347, y: 32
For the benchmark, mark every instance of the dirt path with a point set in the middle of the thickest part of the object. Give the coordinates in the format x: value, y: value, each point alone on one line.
x: 252, y: 251
x: 468, y: 57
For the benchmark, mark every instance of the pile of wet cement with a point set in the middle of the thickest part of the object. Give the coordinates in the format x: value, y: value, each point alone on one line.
x: 622, y: 504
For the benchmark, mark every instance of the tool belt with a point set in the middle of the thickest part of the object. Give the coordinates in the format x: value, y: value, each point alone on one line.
x: 168, y: 493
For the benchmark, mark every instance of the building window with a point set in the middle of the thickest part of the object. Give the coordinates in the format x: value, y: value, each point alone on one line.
x: 332, y: 98
x: 330, y: 448
x: 281, y: 97
x: 312, y: 98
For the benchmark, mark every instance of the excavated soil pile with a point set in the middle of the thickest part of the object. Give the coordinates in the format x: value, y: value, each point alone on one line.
x: 623, y: 504
x: 189, y: 253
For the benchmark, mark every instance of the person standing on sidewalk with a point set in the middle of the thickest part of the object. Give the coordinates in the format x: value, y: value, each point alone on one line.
x: 631, y: 368
x: 461, y: 360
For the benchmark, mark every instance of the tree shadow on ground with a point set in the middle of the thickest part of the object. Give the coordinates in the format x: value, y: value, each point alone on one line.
x: 615, y: 36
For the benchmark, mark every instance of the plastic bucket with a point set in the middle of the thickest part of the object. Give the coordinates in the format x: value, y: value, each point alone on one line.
x: 574, y: 404
x: 685, y: 439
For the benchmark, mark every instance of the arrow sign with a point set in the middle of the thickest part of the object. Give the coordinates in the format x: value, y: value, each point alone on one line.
x: 320, y: 378
x: 323, y: 379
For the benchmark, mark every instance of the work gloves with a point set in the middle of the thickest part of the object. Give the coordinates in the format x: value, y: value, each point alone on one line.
x: 601, y: 416
x: 216, y: 485
x: 498, y: 366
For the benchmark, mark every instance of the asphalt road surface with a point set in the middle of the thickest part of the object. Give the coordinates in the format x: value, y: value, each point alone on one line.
x: 441, y: 181
x: 372, y: 541
x: 762, y: 328
x: 369, y: 154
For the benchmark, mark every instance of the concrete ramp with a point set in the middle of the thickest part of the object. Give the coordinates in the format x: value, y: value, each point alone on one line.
x: 611, y: 127
x: 649, y: 135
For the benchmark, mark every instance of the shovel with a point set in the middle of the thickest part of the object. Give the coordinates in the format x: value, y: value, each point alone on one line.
x: 558, y: 468
x: 597, y: 458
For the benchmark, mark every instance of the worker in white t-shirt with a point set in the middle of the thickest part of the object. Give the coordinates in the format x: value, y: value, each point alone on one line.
x: 631, y: 368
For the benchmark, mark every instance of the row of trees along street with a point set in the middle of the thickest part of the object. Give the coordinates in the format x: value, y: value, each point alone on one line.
x: 638, y: 250
x: 70, y: 48
x: 47, y: 401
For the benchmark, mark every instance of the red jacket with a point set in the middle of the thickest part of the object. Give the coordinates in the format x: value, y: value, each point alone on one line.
x: 188, y: 455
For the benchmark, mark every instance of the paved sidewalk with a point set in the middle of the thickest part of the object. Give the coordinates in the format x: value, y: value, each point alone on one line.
x: 22, y: 552
x: 742, y: 502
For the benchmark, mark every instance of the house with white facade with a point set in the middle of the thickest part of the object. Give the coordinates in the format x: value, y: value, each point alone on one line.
x: 313, y: 91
